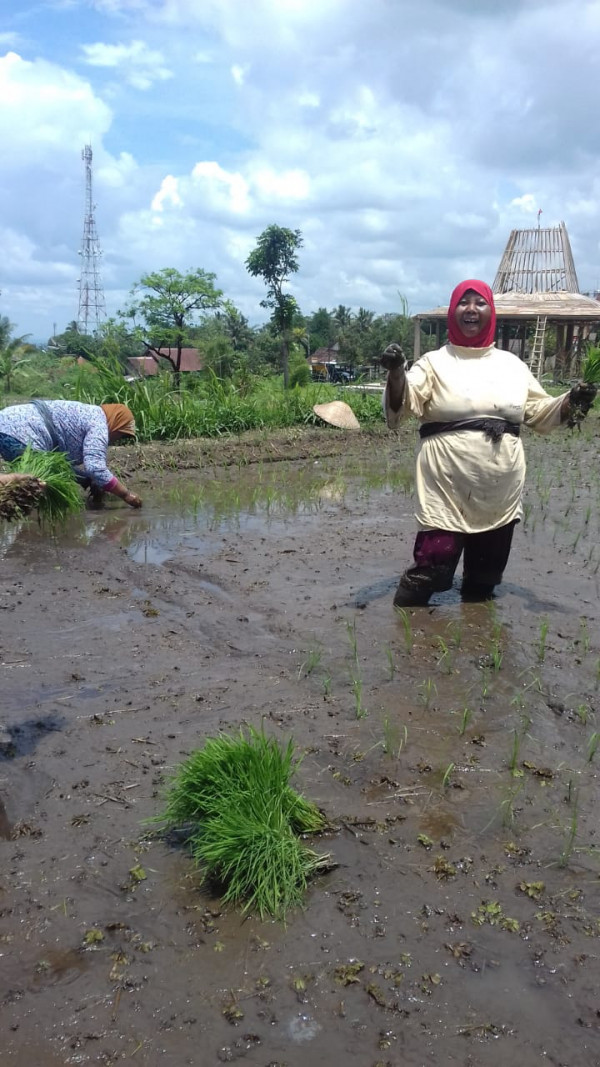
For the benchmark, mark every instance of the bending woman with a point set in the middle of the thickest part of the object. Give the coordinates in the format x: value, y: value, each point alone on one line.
x: 82, y: 431
x: 471, y: 399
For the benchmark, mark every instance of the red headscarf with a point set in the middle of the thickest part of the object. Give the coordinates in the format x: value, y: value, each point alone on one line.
x: 486, y: 336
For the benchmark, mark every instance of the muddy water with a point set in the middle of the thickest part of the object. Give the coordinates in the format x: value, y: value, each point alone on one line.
x: 454, y: 750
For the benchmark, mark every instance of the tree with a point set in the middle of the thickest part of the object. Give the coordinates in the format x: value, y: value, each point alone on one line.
x: 321, y: 329
x: 235, y: 326
x: 274, y: 259
x: 13, y: 354
x: 168, y: 304
x: 342, y: 316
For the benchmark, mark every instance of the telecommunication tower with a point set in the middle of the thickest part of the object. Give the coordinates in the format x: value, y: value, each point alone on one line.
x: 92, y: 306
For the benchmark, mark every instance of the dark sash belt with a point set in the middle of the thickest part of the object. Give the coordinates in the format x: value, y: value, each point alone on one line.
x: 492, y: 428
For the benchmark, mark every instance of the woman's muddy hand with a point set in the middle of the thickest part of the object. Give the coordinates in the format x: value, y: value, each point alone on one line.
x: 133, y: 500
x: 393, y: 357
x: 582, y: 396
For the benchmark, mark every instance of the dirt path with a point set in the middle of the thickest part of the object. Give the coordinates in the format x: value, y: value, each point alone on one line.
x: 454, y: 751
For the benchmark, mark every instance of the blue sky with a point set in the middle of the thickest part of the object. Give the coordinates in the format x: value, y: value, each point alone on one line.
x: 404, y: 138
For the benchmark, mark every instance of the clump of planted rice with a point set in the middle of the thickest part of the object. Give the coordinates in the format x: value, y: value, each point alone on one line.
x: 244, y: 821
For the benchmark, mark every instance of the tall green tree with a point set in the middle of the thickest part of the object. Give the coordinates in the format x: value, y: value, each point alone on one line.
x: 273, y: 260
x: 166, y: 306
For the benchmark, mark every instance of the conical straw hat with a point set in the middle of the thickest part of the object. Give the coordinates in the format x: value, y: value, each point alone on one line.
x: 337, y: 414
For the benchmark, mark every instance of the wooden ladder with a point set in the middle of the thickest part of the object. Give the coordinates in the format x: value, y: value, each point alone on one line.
x: 536, y: 361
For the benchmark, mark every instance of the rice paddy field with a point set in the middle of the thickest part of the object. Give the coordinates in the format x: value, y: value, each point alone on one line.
x: 454, y: 751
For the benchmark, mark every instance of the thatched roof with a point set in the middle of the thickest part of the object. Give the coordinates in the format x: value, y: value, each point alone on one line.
x: 557, y: 307
x: 537, y: 261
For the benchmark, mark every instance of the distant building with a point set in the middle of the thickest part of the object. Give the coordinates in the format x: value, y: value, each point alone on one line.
x: 146, y: 365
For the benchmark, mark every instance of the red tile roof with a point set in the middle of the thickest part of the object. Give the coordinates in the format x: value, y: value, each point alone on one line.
x: 191, y: 360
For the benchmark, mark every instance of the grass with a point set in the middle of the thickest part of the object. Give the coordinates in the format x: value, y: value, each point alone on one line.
x: 406, y: 627
x: 61, y: 496
x: 243, y: 820
x: 208, y: 406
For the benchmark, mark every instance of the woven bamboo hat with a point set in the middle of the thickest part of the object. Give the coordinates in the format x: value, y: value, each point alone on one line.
x: 336, y: 413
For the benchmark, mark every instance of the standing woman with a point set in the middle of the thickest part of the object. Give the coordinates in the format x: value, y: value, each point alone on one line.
x: 471, y: 399
x: 82, y: 431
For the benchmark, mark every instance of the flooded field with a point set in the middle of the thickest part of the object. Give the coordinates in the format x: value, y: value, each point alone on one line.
x: 454, y: 748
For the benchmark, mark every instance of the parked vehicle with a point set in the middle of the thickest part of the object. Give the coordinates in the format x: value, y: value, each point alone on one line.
x: 332, y: 372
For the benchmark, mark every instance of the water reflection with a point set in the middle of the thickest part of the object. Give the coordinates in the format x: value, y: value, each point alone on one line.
x: 192, y: 510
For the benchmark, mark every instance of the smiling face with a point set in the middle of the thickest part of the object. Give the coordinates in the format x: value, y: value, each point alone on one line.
x: 473, y: 313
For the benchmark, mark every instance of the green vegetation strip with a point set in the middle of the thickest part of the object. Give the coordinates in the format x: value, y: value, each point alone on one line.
x: 207, y: 406
x: 243, y: 821
x: 61, y: 496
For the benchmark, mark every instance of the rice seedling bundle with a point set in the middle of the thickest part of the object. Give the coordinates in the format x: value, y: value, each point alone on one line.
x: 243, y: 820
x: 17, y: 499
x: 61, y: 496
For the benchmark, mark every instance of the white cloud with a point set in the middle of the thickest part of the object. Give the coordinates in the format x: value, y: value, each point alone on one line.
x: 402, y: 144
x: 45, y: 109
x: 238, y: 74
x: 525, y: 203
x: 139, y: 65
x: 167, y: 194
x: 223, y: 191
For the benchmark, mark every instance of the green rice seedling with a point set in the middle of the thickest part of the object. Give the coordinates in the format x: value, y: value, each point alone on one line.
x: 390, y: 661
x: 404, y: 617
x: 427, y: 690
x: 351, y: 631
x: 567, y: 851
x: 582, y: 712
x: 518, y: 701
x: 542, y: 638
x: 312, y: 661
x: 467, y: 715
x: 327, y: 686
x: 445, y: 658
x: 485, y: 682
x: 455, y: 632
x: 61, y: 496
x: 394, y: 739
x: 508, y: 805
x: 244, y: 820
x: 496, y: 657
x: 357, y: 688
x: 593, y: 743
x: 514, y: 755
x: 496, y: 633
x: 584, y: 637
x: 447, y: 775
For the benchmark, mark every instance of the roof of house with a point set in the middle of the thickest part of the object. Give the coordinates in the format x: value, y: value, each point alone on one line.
x: 325, y: 355
x: 191, y: 360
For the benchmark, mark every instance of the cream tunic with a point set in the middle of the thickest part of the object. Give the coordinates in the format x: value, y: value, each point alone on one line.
x: 466, y: 482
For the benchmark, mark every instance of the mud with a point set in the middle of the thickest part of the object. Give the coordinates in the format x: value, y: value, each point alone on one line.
x: 453, y: 749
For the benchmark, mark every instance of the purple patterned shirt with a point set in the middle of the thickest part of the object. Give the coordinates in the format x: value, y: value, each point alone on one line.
x: 81, y: 429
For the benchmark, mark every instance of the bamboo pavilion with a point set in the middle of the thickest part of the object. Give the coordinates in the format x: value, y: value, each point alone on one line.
x: 535, y: 289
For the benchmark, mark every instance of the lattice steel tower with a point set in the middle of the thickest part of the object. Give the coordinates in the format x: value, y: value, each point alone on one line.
x: 92, y: 306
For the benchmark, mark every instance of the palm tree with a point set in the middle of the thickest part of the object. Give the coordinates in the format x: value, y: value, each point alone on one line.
x: 364, y: 320
x: 342, y: 316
